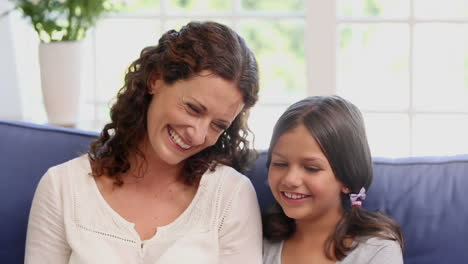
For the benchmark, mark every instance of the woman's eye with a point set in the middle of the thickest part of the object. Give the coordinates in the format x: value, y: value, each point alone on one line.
x: 219, y: 127
x: 192, y: 109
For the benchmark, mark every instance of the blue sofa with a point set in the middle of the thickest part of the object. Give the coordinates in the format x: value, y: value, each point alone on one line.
x: 426, y: 195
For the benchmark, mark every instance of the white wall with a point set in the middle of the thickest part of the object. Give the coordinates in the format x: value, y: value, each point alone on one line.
x: 10, y: 99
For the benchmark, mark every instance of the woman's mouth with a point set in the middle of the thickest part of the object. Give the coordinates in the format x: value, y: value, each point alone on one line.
x: 175, y: 138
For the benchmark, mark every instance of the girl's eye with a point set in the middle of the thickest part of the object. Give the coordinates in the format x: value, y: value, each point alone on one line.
x: 279, y: 164
x: 311, y: 169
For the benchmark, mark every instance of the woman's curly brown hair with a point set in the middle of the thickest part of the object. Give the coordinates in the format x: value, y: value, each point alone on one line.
x: 198, y: 46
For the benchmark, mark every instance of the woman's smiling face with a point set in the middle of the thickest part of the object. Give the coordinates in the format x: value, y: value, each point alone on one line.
x: 189, y: 115
x: 301, y: 178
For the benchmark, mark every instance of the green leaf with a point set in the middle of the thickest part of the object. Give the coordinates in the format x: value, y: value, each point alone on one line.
x: 56, y: 20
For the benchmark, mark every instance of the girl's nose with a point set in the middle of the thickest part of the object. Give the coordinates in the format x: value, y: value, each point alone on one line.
x: 292, y: 178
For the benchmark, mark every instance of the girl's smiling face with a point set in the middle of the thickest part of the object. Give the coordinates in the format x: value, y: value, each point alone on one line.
x: 301, y: 178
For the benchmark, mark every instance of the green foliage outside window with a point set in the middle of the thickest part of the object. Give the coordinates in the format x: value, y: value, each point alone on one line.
x: 372, y: 8
x: 278, y: 44
x: 140, y: 5
x: 279, y: 48
x: 63, y: 20
x: 205, y: 5
x: 268, y: 5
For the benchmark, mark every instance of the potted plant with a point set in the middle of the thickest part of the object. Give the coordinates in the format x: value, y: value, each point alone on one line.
x: 62, y: 26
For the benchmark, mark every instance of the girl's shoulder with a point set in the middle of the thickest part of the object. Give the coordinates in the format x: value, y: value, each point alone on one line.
x: 272, y: 252
x: 375, y: 250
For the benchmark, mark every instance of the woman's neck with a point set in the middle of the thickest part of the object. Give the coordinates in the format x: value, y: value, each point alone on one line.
x: 148, y: 171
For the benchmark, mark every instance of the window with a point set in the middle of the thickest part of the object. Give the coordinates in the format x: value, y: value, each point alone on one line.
x: 274, y: 30
x: 404, y: 63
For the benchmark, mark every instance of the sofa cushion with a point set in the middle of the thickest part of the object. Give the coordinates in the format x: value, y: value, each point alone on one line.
x: 26, y: 152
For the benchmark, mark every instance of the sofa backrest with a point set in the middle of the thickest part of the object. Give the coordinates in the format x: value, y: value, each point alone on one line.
x: 425, y: 195
x: 26, y: 152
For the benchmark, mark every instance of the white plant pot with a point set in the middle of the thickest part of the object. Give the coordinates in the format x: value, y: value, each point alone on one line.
x: 61, y: 65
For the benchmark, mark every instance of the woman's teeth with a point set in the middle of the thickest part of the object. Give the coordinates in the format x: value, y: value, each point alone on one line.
x: 177, y: 139
x: 294, y: 195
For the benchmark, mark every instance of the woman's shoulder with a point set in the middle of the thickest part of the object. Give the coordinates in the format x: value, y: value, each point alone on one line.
x: 226, y: 175
x: 375, y: 250
x: 61, y: 181
x: 230, y: 190
x: 80, y: 162
x: 67, y: 171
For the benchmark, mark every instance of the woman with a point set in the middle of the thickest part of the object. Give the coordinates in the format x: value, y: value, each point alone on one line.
x: 320, y: 169
x: 160, y: 183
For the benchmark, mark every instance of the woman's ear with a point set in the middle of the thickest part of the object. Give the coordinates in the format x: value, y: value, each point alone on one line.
x: 151, y: 89
x: 154, y: 84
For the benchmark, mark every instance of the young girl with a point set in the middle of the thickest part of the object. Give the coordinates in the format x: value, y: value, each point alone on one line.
x: 320, y: 169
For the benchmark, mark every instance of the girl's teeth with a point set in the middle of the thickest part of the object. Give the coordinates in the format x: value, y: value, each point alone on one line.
x: 294, y: 196
x: 177, y: 139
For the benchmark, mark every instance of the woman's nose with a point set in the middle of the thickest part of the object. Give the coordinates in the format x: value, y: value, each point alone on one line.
x: 198, y: 132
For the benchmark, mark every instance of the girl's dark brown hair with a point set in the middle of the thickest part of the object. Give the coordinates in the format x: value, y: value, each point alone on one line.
x: 180, y: 55
x: 338, y: 127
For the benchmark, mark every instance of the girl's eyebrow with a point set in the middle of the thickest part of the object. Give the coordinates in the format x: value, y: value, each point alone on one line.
x: 317, y: 161
x: 277, y: 154
x: 310, y: 159
x: 313, y: 159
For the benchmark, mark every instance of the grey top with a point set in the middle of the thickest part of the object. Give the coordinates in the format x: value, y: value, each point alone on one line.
x: 372, y: 250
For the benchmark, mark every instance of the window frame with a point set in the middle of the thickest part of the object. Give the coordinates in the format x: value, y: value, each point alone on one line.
x: 321, y: 39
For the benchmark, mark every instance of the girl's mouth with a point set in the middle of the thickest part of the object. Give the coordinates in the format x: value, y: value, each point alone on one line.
x: 294, y: 197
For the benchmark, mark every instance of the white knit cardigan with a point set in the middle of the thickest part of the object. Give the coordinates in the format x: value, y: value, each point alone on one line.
x: 70, y: 222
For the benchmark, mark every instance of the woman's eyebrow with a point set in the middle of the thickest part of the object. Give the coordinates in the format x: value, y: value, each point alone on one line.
x: 204, y: 109
x: 225, y: 122
x: 202, y: 106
